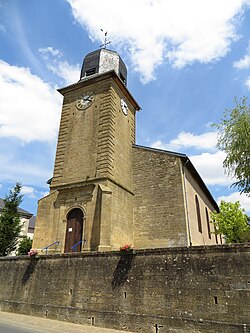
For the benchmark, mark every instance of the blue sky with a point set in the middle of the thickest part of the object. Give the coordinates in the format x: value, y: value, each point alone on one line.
x: 186, y: 61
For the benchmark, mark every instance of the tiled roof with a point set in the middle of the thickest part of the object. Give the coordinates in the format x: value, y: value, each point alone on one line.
x: 32, y: 222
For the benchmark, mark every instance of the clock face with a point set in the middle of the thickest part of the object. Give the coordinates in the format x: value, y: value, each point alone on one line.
x: 85, y: 100
x: 124, y: 107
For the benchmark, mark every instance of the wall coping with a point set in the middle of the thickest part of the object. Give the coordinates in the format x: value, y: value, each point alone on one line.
x: 185, y: 250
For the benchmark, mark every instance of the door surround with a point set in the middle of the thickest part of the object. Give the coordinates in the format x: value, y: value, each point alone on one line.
x: 74, y: 229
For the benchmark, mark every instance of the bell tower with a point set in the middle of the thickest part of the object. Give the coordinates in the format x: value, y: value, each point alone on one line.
x: 91, y: 192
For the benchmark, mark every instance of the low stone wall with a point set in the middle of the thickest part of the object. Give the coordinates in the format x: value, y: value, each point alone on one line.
x: 197, y: 289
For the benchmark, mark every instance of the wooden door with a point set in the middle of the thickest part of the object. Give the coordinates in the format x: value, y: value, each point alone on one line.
x: 74, y: 230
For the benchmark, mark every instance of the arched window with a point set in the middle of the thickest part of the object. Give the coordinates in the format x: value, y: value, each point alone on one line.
x: 198, y: 214
x: 208, y: 224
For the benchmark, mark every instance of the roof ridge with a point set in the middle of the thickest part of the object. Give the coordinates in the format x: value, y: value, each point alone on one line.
x: 19, y: 209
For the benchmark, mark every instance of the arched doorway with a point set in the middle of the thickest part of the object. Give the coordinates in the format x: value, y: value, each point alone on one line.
x: 74, y: 230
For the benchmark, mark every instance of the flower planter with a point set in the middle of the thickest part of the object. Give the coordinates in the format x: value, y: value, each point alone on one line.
x: 130, y: 251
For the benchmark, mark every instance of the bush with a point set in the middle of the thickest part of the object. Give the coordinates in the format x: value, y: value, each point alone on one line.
x: 24, y: 246
x: 232, y: 222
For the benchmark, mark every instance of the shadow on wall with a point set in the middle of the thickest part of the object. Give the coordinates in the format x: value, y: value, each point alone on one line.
x: 121, y: 272
x: 29, y: 271
x: 95, y: 234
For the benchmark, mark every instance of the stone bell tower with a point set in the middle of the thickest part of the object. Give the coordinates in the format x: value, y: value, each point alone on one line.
x: 90, y: 205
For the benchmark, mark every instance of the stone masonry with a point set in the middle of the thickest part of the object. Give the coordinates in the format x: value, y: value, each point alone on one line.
x: 106, y: 191
x: 188, y: 289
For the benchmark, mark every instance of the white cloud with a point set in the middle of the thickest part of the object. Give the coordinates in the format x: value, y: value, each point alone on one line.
x: 210, y: 167
x: 30, y: 108
x: 14, y: 169
x: 69, y: 73
x: 209, y: 164
x: 244, y: 62
x: 50, y: 50
x: 206, y: 141
x: 236, y: 196
x: 31, y: 192
x: 1, y: 185
x: 154, y: 31
x: 44, y: 194
x: 247, y: 83
x: 28, y: 191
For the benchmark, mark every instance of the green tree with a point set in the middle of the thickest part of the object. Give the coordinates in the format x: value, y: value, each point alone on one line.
x: 24, y: 246
x: 231, y: 221
x: 234, y: 140
x: 10, y: 225
x: 245, y: 236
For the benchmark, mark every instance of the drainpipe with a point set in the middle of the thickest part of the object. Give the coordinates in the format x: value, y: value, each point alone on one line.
x: 186, y: 204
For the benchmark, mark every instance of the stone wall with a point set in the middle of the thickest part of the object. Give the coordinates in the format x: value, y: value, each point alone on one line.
x: 203, y: 236
x: 159, y: 206
x: 198, y: 289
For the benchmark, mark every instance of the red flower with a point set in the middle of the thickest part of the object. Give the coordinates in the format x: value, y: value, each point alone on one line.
x: 32, y: 253
x: 126, y: 247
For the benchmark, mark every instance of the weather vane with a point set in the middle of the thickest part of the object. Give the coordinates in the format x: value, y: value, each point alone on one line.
x: 105, y: 40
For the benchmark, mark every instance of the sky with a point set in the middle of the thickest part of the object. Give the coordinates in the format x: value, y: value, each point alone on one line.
x: 187, y: 60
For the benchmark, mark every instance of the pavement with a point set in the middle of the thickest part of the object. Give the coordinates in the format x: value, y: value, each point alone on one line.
x: 12, y: 322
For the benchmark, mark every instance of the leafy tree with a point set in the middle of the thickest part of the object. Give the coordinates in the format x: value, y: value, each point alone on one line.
x: 10, y: 225
x: 234, y: 140
x: 245, y: 236
x: 24, y: 246
x: 232, y: 222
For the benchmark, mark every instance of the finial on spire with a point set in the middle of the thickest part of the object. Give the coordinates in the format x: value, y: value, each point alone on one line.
x: 105, y: 40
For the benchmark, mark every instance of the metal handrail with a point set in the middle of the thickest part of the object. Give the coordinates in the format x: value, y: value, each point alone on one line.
x: 75, y: 245
x: 46, y: 247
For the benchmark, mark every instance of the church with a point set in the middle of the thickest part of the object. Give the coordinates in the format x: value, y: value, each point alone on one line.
x: 107, y: 191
